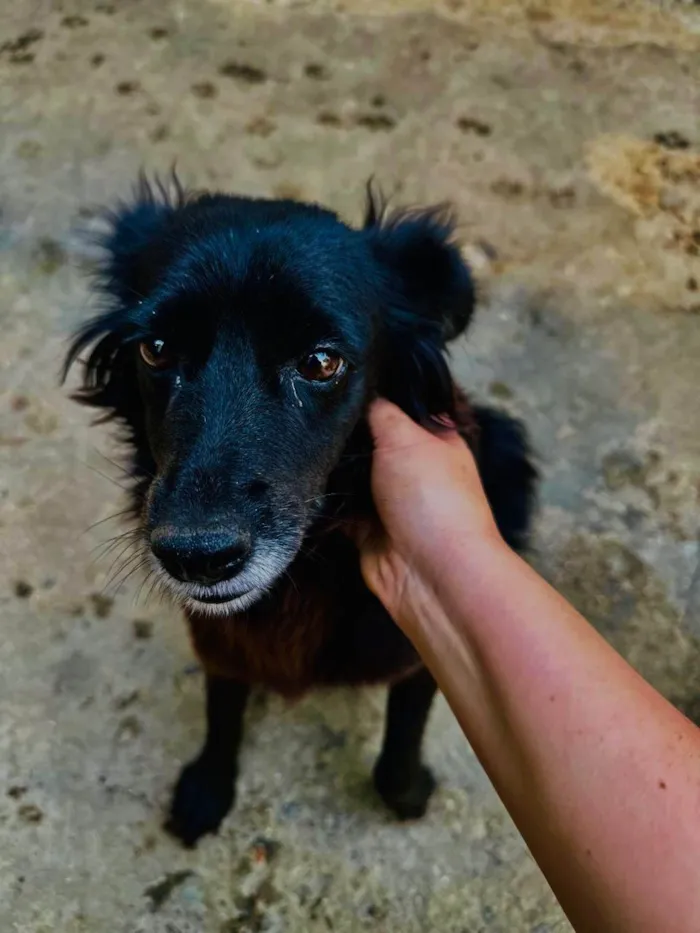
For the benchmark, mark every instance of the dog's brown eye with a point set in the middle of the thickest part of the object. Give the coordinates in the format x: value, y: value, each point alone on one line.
x: 154, y: 354
x: 321, y: 366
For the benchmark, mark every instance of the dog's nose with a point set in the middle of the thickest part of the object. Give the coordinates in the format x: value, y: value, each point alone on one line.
x: 201, y: 557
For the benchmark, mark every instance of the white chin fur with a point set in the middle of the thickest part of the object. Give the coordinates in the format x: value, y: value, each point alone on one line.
x: 237, y: 604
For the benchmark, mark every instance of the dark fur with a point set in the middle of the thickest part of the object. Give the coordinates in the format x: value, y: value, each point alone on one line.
x: 238, y: 450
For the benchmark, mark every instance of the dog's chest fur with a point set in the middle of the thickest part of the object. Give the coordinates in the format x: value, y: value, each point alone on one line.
x: 320, y: 626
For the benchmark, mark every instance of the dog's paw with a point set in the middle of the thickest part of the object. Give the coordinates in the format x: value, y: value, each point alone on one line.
x: 406, y: 795
x: 201, y: 800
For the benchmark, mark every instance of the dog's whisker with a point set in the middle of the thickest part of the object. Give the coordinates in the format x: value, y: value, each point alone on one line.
x: 117, y: 466
x: 109, y: 552
x: 105, y: 548
x: 121, y: 536
x: 288, y: 575
x: 159, y: 589
x: 122, y: 582
x: 109, y: 518
x: 149, y: 581
x: 323, y: 496
x: 128, y: 568
x: 147, y: 577
x: 119, y: 564
x: 112, y: 580
x: 109, y: 479
x: 312, y: 554
x: 128, y: 471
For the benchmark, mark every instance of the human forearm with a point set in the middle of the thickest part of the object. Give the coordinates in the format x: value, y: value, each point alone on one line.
x: 600, y: 774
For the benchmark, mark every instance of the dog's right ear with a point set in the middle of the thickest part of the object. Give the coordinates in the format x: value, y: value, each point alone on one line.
x: 133, y: 245
x: 134, y: 256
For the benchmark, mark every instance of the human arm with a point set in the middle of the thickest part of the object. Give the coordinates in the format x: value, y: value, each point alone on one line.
x: 600, y: 774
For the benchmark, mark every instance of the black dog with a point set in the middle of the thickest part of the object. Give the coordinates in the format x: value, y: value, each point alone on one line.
x: 241, y: 344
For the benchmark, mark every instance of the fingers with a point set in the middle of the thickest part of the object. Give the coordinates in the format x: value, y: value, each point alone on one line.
x: 389, y: 425
x: 392, y: 427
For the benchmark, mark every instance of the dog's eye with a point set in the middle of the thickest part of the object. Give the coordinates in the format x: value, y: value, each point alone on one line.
x: 155, y: 354
x: 321, y: 366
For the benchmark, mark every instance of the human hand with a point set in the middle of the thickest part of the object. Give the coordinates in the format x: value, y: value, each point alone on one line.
x: 432, y: 506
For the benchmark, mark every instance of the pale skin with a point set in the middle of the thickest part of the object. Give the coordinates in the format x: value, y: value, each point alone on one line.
x: 600, y: 773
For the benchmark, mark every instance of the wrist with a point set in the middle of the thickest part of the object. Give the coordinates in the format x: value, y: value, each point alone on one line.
x: 461, y: 559
x: 441, y: 581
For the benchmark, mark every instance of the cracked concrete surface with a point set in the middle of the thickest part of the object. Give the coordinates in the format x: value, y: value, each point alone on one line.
x: 566, y: 133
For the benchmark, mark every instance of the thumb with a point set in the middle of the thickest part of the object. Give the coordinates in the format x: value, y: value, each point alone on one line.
x: 391, y: 427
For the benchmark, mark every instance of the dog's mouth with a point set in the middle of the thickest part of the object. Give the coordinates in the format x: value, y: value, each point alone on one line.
x: 215, y: 599
x: 221, y: 604
x: 241, y: 592
x: 218, y: 599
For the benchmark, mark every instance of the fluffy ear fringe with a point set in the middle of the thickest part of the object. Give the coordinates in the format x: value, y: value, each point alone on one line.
x: 128, y: 229
x: 417, y: 246
x: 429, y: 300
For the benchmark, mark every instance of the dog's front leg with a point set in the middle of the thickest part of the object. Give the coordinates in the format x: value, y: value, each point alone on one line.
x: 403, y: 781
x: 206, y: 788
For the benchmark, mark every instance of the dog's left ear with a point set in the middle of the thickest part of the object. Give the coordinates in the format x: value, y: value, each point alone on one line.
x: 418, y: 249
x: 428, y: 301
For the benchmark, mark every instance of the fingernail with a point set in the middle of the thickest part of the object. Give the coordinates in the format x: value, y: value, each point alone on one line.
x: 444, y: 421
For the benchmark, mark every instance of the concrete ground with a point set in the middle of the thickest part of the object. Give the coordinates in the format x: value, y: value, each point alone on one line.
x: 567, y: 134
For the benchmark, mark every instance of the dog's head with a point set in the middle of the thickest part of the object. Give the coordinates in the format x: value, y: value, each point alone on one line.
x: 241, y: 343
